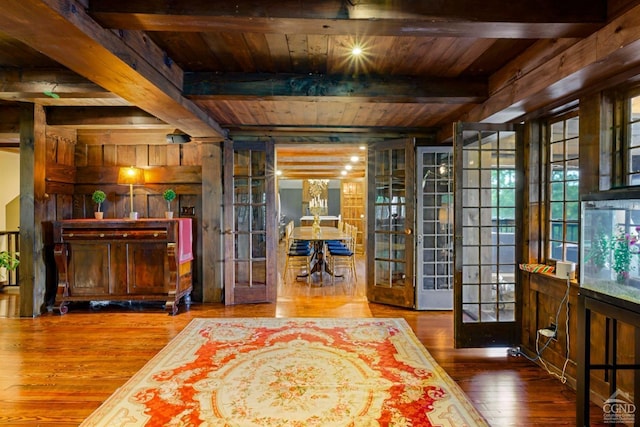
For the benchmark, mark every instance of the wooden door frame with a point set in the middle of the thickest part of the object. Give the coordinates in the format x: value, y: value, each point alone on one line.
x: 407, y: 297
x: 500, y: 333
x: 233, y: 295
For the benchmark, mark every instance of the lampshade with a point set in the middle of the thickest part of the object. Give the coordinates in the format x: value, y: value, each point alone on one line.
x: 445, y: 212
x: 131, y: 176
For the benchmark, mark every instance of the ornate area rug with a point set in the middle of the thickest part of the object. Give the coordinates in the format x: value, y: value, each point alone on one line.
x: 290, y: 372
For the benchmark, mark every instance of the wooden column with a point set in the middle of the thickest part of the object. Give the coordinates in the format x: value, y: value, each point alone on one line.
x: 595, y: 145
x: 32, y: 209
x: 212, y: 259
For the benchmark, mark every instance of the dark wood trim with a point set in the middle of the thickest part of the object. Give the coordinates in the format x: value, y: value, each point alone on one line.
x: 157, y: 174
x: 203, y: 86
x: 452, y: 18
x: 107, y: 118
x: 212, y: 204
x: 32, y: 210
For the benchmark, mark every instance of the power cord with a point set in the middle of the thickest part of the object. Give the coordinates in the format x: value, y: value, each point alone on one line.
x: 539, y: 350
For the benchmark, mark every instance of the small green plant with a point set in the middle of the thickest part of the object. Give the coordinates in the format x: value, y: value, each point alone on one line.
x: 169, y: 195
x: 7, y: 261
x: 598, y: 255
x: 624, y: 245
x: 98, y: 197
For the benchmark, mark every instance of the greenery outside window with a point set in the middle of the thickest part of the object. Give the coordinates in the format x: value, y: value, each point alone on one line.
x: 563, y: 188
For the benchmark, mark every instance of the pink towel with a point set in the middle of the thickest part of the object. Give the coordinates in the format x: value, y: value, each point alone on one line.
x: 185, y: 242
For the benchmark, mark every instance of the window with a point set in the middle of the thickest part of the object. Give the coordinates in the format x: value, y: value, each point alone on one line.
x: 563, y: 188
x: 632, y: 141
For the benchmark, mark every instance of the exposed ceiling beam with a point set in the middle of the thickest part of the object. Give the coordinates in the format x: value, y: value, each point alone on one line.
x: 9, y: 124
x: 319, y: 137
x: 115, y: 61
x: 53, y: 87
x: 451, y: 18
x: 319, y: 160
x: 338, y: 131
x: 613, y: 50
x: 316, y: 87
x: 104, y: 118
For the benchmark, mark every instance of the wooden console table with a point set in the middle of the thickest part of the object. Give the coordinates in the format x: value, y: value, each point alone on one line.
x: 124, y: 260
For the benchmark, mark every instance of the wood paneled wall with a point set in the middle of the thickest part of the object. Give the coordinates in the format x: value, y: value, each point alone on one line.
x: 543, y: 293
x: 543, y: 299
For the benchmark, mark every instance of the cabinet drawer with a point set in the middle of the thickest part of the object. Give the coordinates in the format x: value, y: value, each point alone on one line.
x: 110, y: 234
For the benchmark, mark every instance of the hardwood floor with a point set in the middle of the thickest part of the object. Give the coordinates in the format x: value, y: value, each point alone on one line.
x: 57, y: 369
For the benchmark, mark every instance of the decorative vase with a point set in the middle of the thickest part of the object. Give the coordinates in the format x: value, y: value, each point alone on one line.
x: 168, y: 214
x: 98, y: 215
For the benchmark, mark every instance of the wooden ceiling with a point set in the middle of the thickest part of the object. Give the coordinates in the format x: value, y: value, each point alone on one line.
x: 283, y: 70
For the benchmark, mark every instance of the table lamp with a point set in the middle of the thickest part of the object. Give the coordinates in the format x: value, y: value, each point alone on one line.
x: 131, y: 176
x: 445, y: 212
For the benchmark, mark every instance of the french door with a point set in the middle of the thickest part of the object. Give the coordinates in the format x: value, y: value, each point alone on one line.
x: 250, y: 223
x: 434, y: 228
x: 391, y: 213
x: 487, y: 220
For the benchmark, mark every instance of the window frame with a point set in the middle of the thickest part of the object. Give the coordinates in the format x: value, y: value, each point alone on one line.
x: 622, y: 137
x: 569, y: 241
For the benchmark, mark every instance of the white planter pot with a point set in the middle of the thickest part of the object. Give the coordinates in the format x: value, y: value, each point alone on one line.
x: 168, y: 215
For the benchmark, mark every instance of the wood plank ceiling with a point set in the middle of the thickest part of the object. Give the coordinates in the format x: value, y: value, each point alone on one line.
x: 284, y: 70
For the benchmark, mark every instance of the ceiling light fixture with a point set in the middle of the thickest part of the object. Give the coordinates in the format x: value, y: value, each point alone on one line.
x: 354, y: 159
x: 178, y: 138
x: 356, y: 51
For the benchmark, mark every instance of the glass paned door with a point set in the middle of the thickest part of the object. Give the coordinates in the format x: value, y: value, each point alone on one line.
x: 434, y: 231
x: 488, y: 181
x: 250, y: 223
x: 391, y: 205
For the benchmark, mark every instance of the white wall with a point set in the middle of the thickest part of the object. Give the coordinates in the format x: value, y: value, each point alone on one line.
x: 10, y: 179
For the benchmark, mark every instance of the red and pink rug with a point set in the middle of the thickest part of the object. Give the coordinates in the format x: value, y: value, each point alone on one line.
x: 290, y: 372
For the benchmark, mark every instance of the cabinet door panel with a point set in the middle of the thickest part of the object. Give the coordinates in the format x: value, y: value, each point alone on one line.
x: 89, y: 269
x: 148, y: 268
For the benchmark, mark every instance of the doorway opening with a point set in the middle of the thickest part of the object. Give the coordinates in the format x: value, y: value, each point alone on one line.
x: 324, y: 184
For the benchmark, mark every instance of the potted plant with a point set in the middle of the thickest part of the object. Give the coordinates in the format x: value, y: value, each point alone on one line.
x: 98, y: 197
x: 7, y: 261
x: 169, y: 195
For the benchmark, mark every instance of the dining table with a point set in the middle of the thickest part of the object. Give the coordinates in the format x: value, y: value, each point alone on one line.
x: 318, y: 238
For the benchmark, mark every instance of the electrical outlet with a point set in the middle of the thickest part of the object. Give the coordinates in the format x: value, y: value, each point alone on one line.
x: 546, y: 332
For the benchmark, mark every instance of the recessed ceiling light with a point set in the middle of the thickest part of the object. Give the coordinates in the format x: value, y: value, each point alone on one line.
x: 354, y: 159
x: 362, y: 147
x: 343, y: 173
x: 348, y: 167
x: 278, y: 172
x: 357, y: 50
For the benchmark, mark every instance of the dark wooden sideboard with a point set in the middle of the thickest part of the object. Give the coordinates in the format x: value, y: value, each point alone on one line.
x: 124, y: 260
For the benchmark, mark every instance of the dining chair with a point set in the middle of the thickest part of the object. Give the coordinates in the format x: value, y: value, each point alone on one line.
x: 298, y: 255
x: 342, y: 254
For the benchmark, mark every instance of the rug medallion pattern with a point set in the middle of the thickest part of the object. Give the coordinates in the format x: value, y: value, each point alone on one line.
x: 290, y: 372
